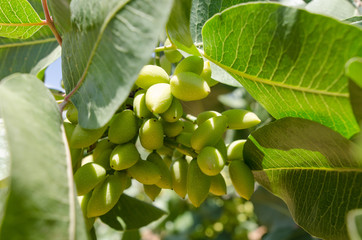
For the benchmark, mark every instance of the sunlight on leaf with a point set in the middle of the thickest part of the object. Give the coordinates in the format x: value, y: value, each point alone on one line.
x: 18, y: 19
x: 312, y: 169
x: 289, y: 60
x: 41, y: 202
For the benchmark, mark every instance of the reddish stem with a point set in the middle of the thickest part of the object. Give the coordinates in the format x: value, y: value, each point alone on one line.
x: 24, y: 24
x: 50, y: 22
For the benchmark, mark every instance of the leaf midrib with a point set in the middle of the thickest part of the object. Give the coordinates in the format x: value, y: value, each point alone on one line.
x: 339, y: 169
x: 20, y: 44
x: 100, y: 35
x: 276, y: 84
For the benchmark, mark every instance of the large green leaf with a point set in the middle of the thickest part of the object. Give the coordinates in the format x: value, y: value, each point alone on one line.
x: 178, y: 27
x: 354, y: 72
x: 24, y: 55
x: 61, y: 13
x: 311, y: 168
x: 106, y: 49
x: 42, y: 202
x: 131, y: 213
x: 202, y: 10
x: 21, y: 13
x: 289, y: 60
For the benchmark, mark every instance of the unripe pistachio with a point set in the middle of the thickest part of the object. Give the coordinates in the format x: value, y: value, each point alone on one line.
x: 150, y: 75
x: 101, y: 146
x: 88, y: 176
x: 87, y: 159
x: 210, y: 161
x: 159, y: 97
x: 189, y: 126
x: 206, y: 74
x: 242, y: 178
x: 139, y: 105
x: 167, y: 160
x: 174, y: 112
x: 145, y: 172
x: 165, y: 64
x: 218, y: 185
x: 173, y: 129
x: 241, y: 119
x: 188, y: 86
x: 178, y: 170
x: 76, y: 154
x: 198, y: 184
x: 220, y: 145
x: 235, y: 150
x: 72, y: 113
x: 151, y: 134
x: 123, y: 127
x: 166, y: 179
x: 103, y: 158
x: 202, y: 117
x: 106, y: 194
x: 184, y: 138
x: 209, y: 132
x: 192, y: 64
x: 83, y: 202
x: 173, y: 56
x: 152, y: 191
x: 82, y: 137
x: 165, y: 151
x: 69, y: 129
x: 124, y: 156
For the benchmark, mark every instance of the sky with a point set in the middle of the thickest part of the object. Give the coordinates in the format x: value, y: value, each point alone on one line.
x: 53, y: 75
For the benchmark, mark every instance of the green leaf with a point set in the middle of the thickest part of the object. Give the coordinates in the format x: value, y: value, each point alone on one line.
x: 136, y: 213
x: 223, y: 76
x: 202, y: 10
x: 130, y: 213
x: 355, y: 92
x: 61, y: 13
x: 354, y: 72
x: 290, y: 61
x: 42, y: 203
x: 18, y: 19
x: 340, y: 9
x: 357, y: 21
x: 311, y: 168
x: 106, y: 50
x: 178, y: 27
x: 131, y: 234
x: 272, y: 212
x: 354, y: 221
x: 25, y: 55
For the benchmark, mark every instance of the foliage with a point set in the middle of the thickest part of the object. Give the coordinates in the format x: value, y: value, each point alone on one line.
x: 300, y: 65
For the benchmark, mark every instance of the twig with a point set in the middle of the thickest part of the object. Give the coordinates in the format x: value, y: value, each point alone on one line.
x: 165, y: 48
x: 50, y: 22
x: 181, y: 148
